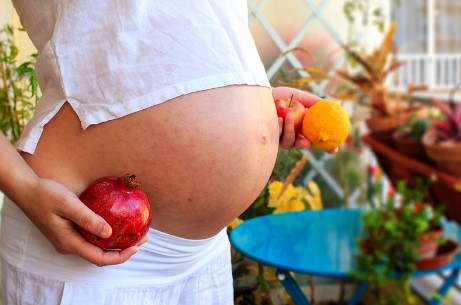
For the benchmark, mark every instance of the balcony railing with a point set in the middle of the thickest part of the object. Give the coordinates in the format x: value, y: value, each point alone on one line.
x: 437, y: 72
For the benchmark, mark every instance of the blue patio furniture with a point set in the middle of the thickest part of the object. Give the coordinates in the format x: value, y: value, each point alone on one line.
x: 318, y: 243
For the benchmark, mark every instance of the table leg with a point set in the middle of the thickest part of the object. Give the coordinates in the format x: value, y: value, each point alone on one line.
x: 358, y: 293
x: 447, y: 284
x: 292, y: 288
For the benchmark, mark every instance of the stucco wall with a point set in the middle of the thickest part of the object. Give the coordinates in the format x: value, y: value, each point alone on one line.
x: 6, y: 12
x: 8, y: 15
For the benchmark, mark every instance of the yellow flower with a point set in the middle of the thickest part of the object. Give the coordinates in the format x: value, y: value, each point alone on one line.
x: 268, y: 273
x: 234, y: 223
x: 294, y: 198
x: 314, y: 197
x: 288, y: 201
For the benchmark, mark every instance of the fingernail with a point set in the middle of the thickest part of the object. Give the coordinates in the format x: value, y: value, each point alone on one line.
x: 104, y: 230
x: 304, y: 144
x: 101, y: 229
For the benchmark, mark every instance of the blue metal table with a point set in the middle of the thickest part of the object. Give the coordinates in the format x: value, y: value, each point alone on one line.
x: 318, y: 243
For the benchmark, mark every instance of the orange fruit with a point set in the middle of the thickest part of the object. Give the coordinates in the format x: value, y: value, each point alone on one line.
x: 326, y: 125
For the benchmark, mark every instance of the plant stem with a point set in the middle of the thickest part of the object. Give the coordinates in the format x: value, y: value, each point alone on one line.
x: 294, y: 172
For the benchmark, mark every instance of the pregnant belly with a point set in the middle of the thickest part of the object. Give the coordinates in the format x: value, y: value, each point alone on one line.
x: 203, y: 157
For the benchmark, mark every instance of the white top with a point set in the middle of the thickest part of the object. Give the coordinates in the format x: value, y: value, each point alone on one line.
x: 110, y: 58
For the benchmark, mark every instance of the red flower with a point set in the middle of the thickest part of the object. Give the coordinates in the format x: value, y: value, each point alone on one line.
x: 349, y: 141
x: 418, y: 206
x: 390, y: 191
x: 371, y: 169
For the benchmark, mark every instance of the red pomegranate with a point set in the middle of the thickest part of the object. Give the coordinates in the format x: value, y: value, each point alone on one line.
x: 125, y: 207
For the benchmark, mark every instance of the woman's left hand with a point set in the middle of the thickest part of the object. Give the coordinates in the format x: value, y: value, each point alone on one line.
x: 288, y: 138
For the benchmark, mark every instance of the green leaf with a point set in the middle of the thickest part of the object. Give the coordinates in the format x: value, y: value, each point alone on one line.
x: 18, y: 86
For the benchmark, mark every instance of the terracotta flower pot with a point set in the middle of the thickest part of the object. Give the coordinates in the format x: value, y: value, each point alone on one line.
x: 447, y: 157
x: 412, y: 148
x: 428, y: 243
x: 444, y: 191
x: 382, y: 128
x: 444, y: 256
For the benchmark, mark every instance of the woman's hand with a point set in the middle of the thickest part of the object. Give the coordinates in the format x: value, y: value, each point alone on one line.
x: 55, y: 210
x: 288, y: 138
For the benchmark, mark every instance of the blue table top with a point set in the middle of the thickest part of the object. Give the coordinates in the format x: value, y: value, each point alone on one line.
x: 321, y: 242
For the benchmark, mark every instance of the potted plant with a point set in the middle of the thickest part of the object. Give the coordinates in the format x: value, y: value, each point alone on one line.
x: 368, y: 78
x: 442, y: 142
x: 18, y: 87
x: 394, y: 231
x: 408, y: 137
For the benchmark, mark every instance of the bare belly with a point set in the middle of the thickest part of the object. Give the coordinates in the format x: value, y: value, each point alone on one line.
x: 203, y: 157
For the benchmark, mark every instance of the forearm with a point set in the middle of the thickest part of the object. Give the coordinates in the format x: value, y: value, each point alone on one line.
x: 16, y: 177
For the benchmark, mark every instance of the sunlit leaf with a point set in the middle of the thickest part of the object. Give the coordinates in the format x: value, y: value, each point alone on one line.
x: 360, y: 60
x: 313, y: 70
x: 303, y: 50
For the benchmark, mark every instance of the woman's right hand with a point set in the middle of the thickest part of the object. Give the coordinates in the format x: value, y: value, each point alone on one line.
x: 55, y: 210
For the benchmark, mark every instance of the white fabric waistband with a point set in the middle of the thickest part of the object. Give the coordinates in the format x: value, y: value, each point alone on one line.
x: 164, y: 259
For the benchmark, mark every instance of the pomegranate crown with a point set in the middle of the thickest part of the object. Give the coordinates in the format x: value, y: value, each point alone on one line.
x: 130, y: 180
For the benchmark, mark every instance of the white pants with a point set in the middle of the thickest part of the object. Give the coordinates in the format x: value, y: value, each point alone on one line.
x: 167, y: 270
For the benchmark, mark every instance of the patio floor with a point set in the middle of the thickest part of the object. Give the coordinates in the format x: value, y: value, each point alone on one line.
x: 327, y: 291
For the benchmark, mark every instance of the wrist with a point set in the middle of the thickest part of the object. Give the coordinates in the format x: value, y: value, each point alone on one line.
x: 17, y: 178
x: 20, y: 187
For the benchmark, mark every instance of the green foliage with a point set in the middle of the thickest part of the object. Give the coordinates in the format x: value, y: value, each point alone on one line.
x: 258, y: 207
x: 364, y: 10
x: 387, y: 250
x: 348, y: 169
x: 18, y: 87
x: 415, y: 128
x: 286, y: 160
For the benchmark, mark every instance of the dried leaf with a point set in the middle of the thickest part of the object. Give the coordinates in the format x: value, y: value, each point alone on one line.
x: 309, y: 79
x: 357, y: 79
x: 387, y: 46
x: 315, y: 71
x: 291, y: 84
x: 392, y: 67
x: 360, y: 60
x: 305, y: 51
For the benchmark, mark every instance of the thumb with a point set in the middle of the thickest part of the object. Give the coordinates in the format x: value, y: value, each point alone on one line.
x: 84, y: 217
x: 98, y: 226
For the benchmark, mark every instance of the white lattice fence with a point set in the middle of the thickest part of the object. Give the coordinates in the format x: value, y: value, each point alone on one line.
x: 319, y: 26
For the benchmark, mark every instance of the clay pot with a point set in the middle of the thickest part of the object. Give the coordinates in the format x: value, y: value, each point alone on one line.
x: 382, y: 128
x: 447, y: 157
x: 412, y: 148
x: 428, y: 243
x: 398, y: 167
x: 444, y: 255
